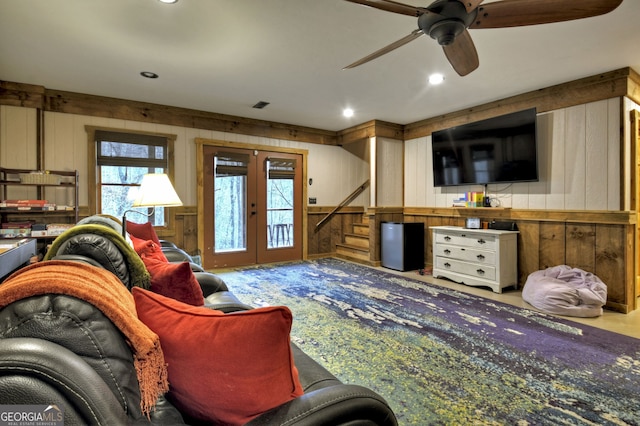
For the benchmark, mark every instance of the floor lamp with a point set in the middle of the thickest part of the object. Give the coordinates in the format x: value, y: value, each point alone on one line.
x: 155, y: 190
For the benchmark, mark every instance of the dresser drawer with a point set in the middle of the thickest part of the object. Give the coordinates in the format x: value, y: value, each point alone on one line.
x: 468, y: 254
x: 486, y: 242
x: 487, y: 272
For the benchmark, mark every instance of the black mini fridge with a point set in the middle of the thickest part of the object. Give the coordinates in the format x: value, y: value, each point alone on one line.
x: 402, y: 245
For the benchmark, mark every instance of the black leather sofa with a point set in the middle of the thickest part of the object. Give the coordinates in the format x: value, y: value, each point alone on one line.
x: 62, y: 350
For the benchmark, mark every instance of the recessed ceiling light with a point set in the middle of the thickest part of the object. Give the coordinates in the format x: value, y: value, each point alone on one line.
x: 168, y: 1
x: 149, y: 74
x: 436, y: 79
x: 347, y: 112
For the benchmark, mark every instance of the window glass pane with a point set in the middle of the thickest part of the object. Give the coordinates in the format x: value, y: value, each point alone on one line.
x: 130, y: 150
x: 124, y: 175
x: 230, y: 201
x: 119, y: 189
x: 279, y: 206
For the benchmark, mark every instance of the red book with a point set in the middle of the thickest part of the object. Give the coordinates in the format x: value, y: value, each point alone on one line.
x: 32, y: 203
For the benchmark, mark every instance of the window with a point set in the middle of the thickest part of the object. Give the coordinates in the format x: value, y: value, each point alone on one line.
x: 120, y: 160
x: 230, y: 201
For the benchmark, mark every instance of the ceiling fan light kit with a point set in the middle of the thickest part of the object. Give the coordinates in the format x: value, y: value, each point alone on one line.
x: 448, y: 22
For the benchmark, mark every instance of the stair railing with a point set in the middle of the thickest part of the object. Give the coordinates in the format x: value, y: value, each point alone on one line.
x: 344, y: 202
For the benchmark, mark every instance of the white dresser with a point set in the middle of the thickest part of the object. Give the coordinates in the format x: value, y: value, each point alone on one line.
x: 477, y: 257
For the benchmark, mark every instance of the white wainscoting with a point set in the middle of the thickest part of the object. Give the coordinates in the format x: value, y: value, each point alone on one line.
x: 579, y: 151
x: 389, y: 176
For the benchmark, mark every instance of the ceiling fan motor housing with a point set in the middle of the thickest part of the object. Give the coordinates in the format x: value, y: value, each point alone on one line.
x: 444, y: 20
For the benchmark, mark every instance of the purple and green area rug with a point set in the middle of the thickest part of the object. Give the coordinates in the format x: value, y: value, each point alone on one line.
x: 443, y: 357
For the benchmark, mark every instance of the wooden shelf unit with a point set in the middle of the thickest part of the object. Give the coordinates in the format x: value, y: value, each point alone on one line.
x: 11, y: 178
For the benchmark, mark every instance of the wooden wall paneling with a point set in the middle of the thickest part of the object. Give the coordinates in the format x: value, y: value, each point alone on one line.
x: 580, y: 246
x: 616, y: 160
x: 528, y: 250
x: 589, y: 89
x: 552, y: 244
x: 427, y: 240
x: 610, y: 257
x: 347, y: 221
x: 374, y: 236
x: 76, y: 103
x: 336, y: 231
x: 190, y: 233
x: 178, y: 237
x: 635, y: 191
x: 432, y: 221
x: 313, y: 240
x: 631, y: 272
x: 324, y: 238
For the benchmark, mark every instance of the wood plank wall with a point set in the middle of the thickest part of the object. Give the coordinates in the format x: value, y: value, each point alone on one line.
x: 603, y: 247
x: 322, y: 241
x: 606, y: 246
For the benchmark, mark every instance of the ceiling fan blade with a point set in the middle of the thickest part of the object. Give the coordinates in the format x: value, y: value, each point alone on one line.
x: 415, y: 34
x: 462, y: 54
x: 392, y: 6
x: 471, y: 4
x: 516, y: 13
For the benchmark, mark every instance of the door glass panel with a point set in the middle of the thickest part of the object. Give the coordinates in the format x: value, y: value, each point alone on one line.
x: 280, y: 193
x: 230, y: 201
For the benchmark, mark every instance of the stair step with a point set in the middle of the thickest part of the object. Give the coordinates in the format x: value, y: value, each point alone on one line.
x: 361, y: 228
x: 359, y: 240
x: 355, y: 252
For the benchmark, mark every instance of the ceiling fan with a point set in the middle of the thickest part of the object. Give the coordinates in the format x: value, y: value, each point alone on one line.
x: 448, y: 22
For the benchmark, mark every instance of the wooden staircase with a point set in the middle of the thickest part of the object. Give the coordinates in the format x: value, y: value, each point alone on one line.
x: 356, y: 244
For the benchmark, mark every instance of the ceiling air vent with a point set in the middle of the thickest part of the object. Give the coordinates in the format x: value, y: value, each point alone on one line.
x: 261, y: 105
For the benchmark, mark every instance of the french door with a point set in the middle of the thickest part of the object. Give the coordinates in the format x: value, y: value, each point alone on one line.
x: 252, y: 206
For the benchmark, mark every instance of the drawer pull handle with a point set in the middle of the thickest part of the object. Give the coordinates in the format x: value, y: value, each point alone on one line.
x: 480, y: 257
x: 463, y: 235
x: 447, y: 265
x: 447, y: 251
x: 481, y: 241
x: 447, y: 238
x: 480, y: 272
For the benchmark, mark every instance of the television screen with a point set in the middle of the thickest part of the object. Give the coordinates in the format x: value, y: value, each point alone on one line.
x: 496, y: 150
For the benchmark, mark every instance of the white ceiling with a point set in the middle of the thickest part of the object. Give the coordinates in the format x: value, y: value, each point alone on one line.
x: 223, y: 56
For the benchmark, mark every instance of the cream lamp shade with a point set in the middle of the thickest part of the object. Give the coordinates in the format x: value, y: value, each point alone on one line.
x: 156, y: 190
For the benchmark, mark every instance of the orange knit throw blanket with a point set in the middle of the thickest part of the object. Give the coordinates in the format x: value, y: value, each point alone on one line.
x: 105, y: 291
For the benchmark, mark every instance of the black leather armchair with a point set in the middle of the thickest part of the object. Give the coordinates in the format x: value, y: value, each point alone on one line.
x: 58, y: 349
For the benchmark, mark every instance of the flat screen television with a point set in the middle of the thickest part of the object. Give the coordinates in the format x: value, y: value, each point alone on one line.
x: 501, y: 149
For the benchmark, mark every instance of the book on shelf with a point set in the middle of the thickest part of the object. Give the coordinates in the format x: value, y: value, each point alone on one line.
x: 25, y: 202
x: 27, y: 205
x: 17, y: 225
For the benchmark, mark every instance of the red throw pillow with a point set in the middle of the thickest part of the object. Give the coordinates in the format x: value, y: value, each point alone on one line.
x: 175, y: 280
x: 223, y: 368
x: 147, y: 248
x: 144, y: 231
